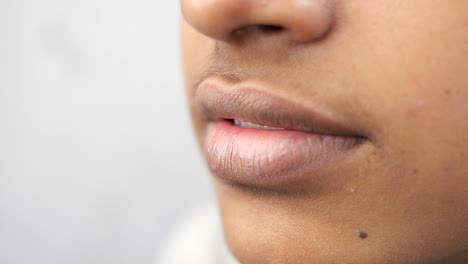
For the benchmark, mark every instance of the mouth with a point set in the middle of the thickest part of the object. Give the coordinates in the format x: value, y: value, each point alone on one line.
x: 258, y: 139
x: 253, y: 126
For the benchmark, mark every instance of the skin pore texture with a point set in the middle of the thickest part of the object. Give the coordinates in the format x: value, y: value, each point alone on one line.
x: 391, y: 73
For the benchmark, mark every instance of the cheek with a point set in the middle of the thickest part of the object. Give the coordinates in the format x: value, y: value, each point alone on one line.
x: 415, y: 84
x: 418, y: 90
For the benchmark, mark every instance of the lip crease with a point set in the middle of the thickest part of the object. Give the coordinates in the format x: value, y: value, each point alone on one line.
x: 309, y: 143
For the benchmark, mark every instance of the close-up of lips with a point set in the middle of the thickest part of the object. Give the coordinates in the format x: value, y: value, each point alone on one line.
x: 255, y: 138
x: 333, y: 130
x: 234, y: 132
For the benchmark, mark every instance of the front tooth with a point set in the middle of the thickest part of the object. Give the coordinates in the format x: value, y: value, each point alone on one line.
x: 254, y: 126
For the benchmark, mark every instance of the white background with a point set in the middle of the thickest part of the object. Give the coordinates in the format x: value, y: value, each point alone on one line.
x: 97, y: 156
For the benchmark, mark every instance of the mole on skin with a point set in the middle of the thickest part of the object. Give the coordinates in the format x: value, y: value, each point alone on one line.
x: 363, y: 235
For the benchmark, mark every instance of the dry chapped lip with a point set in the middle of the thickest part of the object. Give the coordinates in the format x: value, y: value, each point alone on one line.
x: 259, y: 139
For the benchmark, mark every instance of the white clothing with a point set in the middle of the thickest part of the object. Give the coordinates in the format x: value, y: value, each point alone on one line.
x: 197, y: 240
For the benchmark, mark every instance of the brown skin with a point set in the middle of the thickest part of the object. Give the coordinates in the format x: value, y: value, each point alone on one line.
x: 398, y: 72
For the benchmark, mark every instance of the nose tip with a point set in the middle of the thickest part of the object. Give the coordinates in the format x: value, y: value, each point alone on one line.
x: 303, y: 20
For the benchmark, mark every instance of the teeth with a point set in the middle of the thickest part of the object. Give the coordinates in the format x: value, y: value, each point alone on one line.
x: 254, y: 126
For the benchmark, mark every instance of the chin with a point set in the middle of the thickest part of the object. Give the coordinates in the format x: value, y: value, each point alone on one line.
x: 262, y: 227
x: 265, y: 228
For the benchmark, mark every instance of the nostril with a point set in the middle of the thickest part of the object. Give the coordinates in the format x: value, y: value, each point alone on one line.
x: 268, y: 29
x: 296, y: 21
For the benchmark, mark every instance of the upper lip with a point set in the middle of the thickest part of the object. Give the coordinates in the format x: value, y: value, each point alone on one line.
x: 217, y: 100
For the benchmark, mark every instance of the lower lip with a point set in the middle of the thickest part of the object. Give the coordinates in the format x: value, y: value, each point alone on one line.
x: 271, y: 158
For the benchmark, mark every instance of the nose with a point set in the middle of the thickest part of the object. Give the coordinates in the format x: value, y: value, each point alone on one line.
x: 302, y: 20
